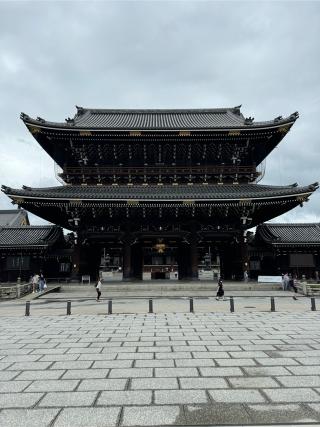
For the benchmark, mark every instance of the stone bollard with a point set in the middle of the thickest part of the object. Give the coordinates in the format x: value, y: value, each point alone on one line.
x: 110, y: 307
x: 18, y: 290
x: 191, y: 305
x: 27, y: 308
x: 68, y: 308
x: 231, y: 305
x: 150, y: 306
x: 273, y: 307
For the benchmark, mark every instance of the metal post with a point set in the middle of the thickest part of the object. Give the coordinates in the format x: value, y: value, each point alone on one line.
x: 68, y: 308
x: 191, y: 305
x: 313, y: 304
x: 110, y: 307
x: 150, y: 306
x: 273, y: 307
x: 231, y: 305
x: 27, y: 308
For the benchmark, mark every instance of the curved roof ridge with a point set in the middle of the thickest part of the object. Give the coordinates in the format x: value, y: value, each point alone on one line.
x: 155, y: 110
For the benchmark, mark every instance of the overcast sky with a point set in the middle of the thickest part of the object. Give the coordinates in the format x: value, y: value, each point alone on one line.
x: 158, y: 54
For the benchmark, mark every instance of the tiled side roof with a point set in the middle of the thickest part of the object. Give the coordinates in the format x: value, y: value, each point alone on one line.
x: 29, y: 236
x: 288, y: 234
x: 215, y: 118
x: 13, y: 217
x: 162, y: 192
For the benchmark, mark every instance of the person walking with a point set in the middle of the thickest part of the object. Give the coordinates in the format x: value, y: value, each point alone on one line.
x: 35, y: 282
x: 98, y: 289
x: 246, y: 276
x: 293, y: 286
x: 42, y: 282
x: 220, y: 290
x: 286, y: 282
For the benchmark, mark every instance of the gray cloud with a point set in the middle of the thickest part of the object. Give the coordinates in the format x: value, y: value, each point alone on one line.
x: 147, y: 54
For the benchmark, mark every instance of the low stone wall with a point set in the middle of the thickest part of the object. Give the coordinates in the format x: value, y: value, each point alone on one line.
x: 15, y: 291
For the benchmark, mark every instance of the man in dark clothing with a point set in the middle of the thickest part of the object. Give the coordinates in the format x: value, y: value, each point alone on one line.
x: 293, y: 286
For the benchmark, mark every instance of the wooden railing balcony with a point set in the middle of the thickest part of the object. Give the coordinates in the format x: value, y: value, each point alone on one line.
x: 158, y: 170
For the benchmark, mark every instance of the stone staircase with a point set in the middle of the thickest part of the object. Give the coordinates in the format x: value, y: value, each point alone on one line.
x: 163, y: 288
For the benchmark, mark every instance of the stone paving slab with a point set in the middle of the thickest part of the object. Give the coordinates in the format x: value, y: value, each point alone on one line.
x: 63, y: 399
x: 27, y: 417
x: 103, y: 384
x: 122, y: 398
x: 52, y: 385
x: 151, y: 415
x: 83, y: 372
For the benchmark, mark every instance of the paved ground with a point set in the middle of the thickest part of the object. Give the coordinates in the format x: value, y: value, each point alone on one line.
x: 160, y: 369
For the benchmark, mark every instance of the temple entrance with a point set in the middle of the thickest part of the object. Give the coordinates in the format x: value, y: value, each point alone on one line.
x: 160, y: 260
x: 110, y: 265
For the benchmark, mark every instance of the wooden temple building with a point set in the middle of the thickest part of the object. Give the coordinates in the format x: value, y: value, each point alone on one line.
x: 160, y: 194
x: 280, y: 248
x: 28, y: 249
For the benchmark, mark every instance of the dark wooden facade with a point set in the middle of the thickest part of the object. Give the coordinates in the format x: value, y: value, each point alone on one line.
x: 160, y: 193
x: 26, y: 250
x: 286, y: 248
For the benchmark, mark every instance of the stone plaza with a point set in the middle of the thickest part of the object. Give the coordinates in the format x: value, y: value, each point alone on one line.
x: 173, y: 368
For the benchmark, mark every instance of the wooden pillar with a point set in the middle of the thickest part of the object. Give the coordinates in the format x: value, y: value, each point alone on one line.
x: 126, y: 259
x: 242, y: 258
x: 76, y: 260
x: 182, y: 258
x: 194, y: 256
x: 137, y: 261
x: 245, y: 255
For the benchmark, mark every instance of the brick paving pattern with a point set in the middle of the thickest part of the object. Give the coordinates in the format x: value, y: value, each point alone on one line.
x: 160, y: 369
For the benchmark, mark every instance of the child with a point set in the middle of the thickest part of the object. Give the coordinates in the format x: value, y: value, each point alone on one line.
x: 220, y: 291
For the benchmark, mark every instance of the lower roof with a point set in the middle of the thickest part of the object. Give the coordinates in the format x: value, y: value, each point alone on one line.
x: 161, y: 192
x: 29, y: 236
x: 290, y: 234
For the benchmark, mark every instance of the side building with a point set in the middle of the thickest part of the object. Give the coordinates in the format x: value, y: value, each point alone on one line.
x: 27, y: 249
x: 281, y: 248
x: 160, y: 194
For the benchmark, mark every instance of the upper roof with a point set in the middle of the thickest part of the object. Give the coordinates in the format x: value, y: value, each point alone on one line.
x: 161, y: 192
x: 30, y: 236
x: 290, y: 234
x: 13, y: 217
x: 177, y: 119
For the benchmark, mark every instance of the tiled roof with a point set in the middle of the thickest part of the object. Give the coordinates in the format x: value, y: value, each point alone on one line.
x: 215, y: 118
x: 161, y: 192
x: 29, y: 236
x: 13, y: 217
x: 290, y: 234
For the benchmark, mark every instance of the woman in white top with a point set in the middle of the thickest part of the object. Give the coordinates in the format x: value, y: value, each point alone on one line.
x: 98, y: 289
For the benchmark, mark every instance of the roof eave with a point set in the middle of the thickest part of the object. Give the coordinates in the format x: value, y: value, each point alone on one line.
x: 142, y: 199
x: 288, y: 121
